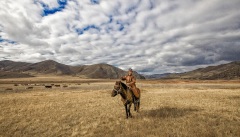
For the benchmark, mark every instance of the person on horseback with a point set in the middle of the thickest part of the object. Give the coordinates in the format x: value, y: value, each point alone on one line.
x: 131, y: 83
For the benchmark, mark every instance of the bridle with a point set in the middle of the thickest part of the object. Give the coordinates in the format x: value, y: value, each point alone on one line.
x: 118, y: 91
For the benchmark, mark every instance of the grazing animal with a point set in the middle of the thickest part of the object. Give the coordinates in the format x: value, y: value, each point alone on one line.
x: 29, y: 87
x: 65, y: 86
x: 9, y: 89
x: 57, y: 85
x: 48, y: 86
x: 127, y: 97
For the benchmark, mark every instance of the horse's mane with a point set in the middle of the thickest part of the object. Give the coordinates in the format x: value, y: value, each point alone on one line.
x: 124, y: 85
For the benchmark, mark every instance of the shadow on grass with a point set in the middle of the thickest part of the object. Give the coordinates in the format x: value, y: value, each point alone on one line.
x: 168, y: 112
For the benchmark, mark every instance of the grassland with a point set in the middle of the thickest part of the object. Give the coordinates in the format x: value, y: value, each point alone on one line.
x: 85, y: 108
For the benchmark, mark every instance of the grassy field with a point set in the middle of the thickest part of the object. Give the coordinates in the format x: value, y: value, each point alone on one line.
x: 86, y: 108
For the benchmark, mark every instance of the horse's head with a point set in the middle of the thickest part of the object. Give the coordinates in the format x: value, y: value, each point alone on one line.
x: 117, y: 88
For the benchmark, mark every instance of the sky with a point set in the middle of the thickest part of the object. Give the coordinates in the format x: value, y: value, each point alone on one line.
x: 149, y: 36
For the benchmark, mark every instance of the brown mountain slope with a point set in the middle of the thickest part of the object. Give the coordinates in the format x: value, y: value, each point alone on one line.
x: 50, y: 67
x: 99, y: 71
x: 224, y: 71
x: 102, y: 71
x: 8, y: 65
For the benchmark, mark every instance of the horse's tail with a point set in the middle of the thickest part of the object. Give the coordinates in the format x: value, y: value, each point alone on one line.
x: 137, y: 100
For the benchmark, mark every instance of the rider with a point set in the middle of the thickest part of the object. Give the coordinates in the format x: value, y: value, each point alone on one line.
x: 131, y: 83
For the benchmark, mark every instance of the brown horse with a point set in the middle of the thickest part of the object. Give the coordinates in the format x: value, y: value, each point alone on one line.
x: 127, y: 97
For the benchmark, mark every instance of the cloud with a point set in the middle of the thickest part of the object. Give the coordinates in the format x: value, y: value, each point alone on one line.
x: 150, y: 36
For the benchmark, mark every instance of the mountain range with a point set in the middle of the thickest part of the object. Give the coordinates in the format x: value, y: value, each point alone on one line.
x: 50, y: 67
x: 157, y: 76
x: 224, y: 71
x: 11, y: 69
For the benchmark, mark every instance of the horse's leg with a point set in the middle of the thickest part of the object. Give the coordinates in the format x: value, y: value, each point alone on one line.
x: 129, y: 109
x: 126, y: 111
x: 138, y: 101
x: 138, y: 105
x: 135, y: 104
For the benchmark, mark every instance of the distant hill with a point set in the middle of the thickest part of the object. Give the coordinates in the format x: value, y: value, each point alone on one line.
x: 51, y: 67
x: 157, y: 76
x: 48, y: 67
x: 8, y: 65
x: 102, y: 71
x: 224, y: 71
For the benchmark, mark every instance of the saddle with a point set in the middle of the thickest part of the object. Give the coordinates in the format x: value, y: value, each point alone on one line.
x: 136, y: 92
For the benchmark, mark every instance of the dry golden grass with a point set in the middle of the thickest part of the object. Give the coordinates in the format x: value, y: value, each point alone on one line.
x: 167, y: 109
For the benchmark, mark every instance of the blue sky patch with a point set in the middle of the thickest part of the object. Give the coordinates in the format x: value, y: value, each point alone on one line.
x: 6, y: 40
x: 122, y: 25
x: 48, y: 11
x: 81, y: 31
x: 95, y: 1
x: 110, y: 19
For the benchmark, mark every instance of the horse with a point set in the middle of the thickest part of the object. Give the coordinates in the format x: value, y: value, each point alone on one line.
x: 127, y: 97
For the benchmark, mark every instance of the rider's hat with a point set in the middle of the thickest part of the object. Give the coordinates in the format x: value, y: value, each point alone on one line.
x: 130, y: 70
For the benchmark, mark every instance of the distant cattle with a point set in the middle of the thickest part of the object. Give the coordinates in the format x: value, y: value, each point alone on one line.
x: 57, y: 85
x: 9, y: 89
x: 48, y: 86
x: 29, y: 87
x: 65, y: 86
x: 52, y: 84
x: 15, y: 84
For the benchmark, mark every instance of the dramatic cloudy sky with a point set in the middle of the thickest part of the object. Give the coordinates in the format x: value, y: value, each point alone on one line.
x: 150, y: 36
